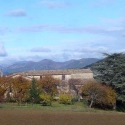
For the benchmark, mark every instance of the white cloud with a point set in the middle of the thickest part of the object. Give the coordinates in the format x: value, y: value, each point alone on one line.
x: 55, y: 4
x: 16, y: 13
x: 100, y: 3
x: 114, y: 22
x: 3, y: 52
x: 90, y: 29
x: 3, y: 29
x: 35, y: 28
x: 40, y: 49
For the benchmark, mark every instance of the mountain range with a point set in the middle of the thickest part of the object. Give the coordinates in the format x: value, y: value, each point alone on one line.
x: 47, y: 64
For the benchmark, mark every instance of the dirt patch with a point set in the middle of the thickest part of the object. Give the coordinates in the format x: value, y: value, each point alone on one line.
x: 40, y: 117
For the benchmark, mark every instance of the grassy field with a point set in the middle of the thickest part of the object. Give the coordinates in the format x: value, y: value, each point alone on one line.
x: 54, y: 107
x: 57, y: 115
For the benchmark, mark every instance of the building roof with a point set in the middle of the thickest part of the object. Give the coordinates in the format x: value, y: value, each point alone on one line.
x: 54, y: 72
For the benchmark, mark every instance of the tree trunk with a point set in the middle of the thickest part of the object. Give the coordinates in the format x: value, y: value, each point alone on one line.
x: 114, y: 106
x: 78, y: 98
x: 91, y: 104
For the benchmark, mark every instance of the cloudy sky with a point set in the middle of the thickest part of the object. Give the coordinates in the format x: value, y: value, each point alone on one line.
x: 60, y: 29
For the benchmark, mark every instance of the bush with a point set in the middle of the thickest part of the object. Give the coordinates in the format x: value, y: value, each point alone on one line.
x: 74, y: 99
x: 65, y: 99
x: 45, y: 99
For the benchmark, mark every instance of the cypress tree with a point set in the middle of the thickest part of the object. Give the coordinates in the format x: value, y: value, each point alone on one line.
x: 34, y: 92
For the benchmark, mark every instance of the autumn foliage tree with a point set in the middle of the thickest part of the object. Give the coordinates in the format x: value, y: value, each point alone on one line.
x: 5, y: 83
x: 49, y: 85
x: 20, y: 89
x: 98, y: 94
x: 110, y: 98
x: 73, y: 82
x: 2, y: 90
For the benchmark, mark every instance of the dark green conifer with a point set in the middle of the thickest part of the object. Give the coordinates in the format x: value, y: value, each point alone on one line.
x: 111, y: 71
x: 34, y: 92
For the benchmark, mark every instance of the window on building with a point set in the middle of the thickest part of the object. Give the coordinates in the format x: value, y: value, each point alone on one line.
x: 63, y: 77
x: 40, y: 77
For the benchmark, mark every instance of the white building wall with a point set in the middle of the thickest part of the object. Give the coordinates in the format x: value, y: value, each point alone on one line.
x: 15, y: 76
x: 67, y: 77
x: 57, y: 77
x: 72, y: 76
x: 75, y: 76
x: 36, y: 77
x: 82, y: 76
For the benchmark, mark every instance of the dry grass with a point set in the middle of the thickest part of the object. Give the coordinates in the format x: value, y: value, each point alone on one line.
x: 46, y: 117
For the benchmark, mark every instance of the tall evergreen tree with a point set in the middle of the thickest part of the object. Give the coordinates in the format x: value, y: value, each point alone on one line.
x: 111, y: 71
x: 34, y: 92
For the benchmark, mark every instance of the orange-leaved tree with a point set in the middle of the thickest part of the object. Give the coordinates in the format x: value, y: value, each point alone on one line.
x: 2, y: 91
x: 110, y: 98
x: 5, y: 83
x: 97, y: 93
x: 21, y: 89
x: 48, y: 84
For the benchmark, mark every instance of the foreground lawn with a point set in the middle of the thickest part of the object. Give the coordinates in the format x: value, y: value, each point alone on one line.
x: 79, y: 106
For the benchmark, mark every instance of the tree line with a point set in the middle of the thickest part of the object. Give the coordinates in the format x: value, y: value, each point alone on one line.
x: 44, y: 90
x: 21, y: 90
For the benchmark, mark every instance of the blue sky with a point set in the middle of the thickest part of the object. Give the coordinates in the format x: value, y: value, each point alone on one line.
x: 60, y: 29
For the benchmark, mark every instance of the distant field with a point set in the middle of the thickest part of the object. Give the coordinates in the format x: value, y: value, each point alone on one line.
x: 46, y: 117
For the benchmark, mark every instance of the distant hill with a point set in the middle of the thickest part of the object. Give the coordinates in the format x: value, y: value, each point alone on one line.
x: 47, y: 64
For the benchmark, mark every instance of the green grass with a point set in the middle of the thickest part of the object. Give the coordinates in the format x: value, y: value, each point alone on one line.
x: 55, y: 106
x: 77, y: 107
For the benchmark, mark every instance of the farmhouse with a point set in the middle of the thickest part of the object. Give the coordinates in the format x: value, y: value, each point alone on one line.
x: 69, y: 78
x: 59, y: 74
x: 77, y: 77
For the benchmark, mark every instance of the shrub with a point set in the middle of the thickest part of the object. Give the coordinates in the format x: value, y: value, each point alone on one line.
x: 45, y: 99
x: 74, y: 99
x: 65, y: 99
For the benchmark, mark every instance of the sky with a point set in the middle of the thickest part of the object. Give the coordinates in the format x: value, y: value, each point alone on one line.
x: 60, y: 30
